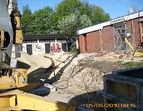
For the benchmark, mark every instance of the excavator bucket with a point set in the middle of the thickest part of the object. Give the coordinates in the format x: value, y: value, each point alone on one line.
x: 137, y: 53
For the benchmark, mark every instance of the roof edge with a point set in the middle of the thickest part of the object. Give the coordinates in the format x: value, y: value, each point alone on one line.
x: 101, y: 25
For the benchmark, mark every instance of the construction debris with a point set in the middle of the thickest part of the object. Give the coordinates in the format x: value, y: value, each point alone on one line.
x: 76, y: 77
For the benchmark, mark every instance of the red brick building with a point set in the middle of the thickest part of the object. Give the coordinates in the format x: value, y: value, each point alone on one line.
x: 109, y: 36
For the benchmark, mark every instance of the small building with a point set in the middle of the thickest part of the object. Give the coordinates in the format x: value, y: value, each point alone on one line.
x: 41, y: 44
x: 110, y: 36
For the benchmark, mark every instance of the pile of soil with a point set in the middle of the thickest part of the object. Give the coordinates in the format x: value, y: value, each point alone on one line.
x: 76, y: 77
x: 82, y: 79
x: 87, y: 76
x: 36, y: 66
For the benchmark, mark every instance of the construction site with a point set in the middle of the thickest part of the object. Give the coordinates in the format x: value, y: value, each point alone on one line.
x: 75, y: 77
x: 100, y: 77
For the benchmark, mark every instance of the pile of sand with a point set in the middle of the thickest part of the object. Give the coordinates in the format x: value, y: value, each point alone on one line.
x: 75, y: 74
x: 35, y: 61
x: 112, y: 56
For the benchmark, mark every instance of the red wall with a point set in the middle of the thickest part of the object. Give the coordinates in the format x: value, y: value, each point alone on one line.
x: 89, y: 42
x: 93, y: 41
x: 82, y: 43
x: 107, y: 39
x: 135, y: 31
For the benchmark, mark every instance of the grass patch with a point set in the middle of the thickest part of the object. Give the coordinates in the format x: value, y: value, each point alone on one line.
x: 133, y: 64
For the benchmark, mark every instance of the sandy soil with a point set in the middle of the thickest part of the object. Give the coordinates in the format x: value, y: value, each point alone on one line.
x: 76, y: 77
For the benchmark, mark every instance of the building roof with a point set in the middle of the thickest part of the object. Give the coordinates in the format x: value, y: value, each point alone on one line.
x: 44, y: 37
x: 111, y: 22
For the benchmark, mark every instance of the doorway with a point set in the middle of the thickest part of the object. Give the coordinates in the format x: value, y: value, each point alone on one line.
x: 29, y: 49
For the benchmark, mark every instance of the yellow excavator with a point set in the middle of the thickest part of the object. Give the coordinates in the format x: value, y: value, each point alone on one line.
x: 13, y: 81
x: 138, y: 52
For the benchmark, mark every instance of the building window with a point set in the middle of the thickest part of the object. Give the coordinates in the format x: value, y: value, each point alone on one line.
x: 120, y: 34
x: 29, y: 49
x: 120, y: 29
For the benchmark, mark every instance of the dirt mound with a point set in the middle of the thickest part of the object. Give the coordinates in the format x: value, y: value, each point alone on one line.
x: 112, y: 56
x: 37, y: 65
x: 73, y: 74
x: 82, y: 79
x: 87, y: 76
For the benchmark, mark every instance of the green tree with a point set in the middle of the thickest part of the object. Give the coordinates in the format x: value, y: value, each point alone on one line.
x: 26, y: 10
x: 47, y: 20
x: 99, y: 15
x: 95, y: 13
x: 66, y: 7
x: 70, y: 24
x: 43, y: 21
x: 27, y: 20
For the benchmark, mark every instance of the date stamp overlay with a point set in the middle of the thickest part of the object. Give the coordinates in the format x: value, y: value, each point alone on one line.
x: 113, y: 105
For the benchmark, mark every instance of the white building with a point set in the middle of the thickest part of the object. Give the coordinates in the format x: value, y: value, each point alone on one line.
x: 46, y: 43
